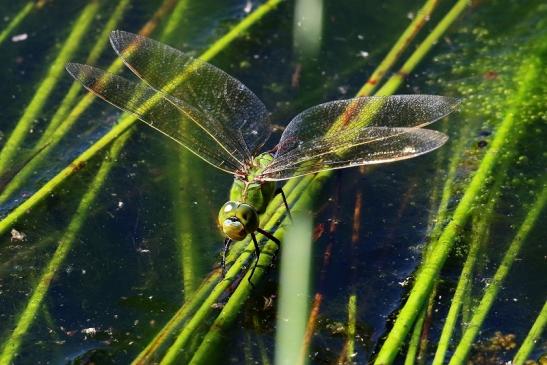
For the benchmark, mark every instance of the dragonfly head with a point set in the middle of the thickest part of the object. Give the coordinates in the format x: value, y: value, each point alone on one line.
x: 237, y: 220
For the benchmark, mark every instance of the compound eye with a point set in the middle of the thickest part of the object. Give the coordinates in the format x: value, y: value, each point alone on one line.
x: 248, y: 216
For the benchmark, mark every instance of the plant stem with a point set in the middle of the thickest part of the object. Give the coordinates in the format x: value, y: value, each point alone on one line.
x: 147, y: 355
x: 399, y: 47
x: 27, y: 317
x: 479, y: 228
x: 491, y: 291
x: 532, y: 338
x: 57, y: 68
x: 428, y: 273
x: 17, y: 19
x: 395, y: 81
x: 414, y: 343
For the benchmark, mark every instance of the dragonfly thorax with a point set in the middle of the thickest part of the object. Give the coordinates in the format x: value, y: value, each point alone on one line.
x: 250, y: 189
x: 237, y: 220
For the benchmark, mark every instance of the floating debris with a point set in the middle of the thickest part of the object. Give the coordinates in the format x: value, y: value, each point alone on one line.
x: 17, y: 236
x: 19, y: 37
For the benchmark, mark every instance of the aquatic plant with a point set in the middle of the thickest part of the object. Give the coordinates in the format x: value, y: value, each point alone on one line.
x: 465, y: 208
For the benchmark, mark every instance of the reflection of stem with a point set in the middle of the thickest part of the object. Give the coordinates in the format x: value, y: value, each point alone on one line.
x: 57, y: 68
x: 480, y: 313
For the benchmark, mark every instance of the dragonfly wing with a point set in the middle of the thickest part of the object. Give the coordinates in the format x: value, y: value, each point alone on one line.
x: 370, y: 145
x: 359, y: 131
x: 152, y: 108
x: 225, y: 108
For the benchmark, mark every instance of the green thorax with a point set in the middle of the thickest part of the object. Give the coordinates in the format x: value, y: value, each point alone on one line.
x: 250, y: 191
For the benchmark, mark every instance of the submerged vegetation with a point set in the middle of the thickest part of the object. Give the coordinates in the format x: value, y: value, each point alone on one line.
x: 474, y: 292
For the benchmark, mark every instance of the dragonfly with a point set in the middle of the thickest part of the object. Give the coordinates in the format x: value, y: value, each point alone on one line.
x: 223, y: 122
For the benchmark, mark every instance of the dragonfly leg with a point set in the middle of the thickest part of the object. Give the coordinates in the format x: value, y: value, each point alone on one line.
x: 280, y: 191
x: 257, y: 252
x: 227, y: 243
x: 257, y: 249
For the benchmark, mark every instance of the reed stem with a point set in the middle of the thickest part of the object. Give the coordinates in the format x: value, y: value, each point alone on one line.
x: 532, y: 338
x: 399, y: 47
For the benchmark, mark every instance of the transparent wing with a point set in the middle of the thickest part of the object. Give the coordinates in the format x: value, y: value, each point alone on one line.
x: 220, y: 104
x: 152, y: 108
x: 359, y: 131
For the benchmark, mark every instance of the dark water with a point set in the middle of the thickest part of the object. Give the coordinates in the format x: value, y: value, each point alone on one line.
x: 123, y: 276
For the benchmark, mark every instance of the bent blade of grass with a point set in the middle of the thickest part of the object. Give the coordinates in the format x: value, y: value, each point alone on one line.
x: 480, y: 313
x: 57, y: 68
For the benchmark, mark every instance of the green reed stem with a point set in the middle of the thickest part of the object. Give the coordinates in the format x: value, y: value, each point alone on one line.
x: 414, y: 342
x: 27, y: 317
x: 479, y: 228
x: 149, y: 354
x: 432, y: 266
x: 491, y: 291
x: 57, y: 68
x: 352, y: 325
x: 52, y: 131
x: 399, y: 47
x: 532, y: 338
x: 396, y: 80
x: 17, y: 19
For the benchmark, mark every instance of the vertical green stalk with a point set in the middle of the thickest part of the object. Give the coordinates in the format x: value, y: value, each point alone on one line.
x: 351, y: 331
x: 431, y: 268
x: 17, y: 19
x: 63, y: 109
x: 491, y: 291
x: 57, y: 68
x: 26, y: 318
x: 294, y: 281
x: 532, y: 338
